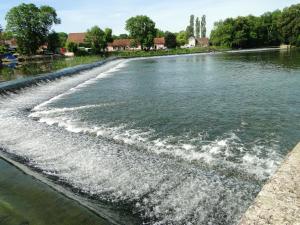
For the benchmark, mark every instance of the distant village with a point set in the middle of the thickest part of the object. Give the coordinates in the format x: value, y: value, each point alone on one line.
x: 40, y: 39
x: 125, y: 43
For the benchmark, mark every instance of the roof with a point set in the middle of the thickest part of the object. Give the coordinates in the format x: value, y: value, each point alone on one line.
x: 159, y: 41
x: 203, y: 40
x: 76, y: 37
x: 121, y: 43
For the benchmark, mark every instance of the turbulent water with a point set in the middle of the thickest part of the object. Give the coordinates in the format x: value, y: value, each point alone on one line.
x: 171, y: 140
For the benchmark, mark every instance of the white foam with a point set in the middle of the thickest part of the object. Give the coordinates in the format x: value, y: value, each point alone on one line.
x: 153, y: 174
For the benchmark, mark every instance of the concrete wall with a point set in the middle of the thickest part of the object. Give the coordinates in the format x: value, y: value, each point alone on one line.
x: 278, y: 203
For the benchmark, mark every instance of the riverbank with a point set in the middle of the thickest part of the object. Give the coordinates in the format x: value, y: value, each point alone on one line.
x: 26, y: 200
x: 278, y: 202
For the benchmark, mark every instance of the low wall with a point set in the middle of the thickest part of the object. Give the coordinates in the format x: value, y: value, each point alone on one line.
x: 29, y: 81
x: 278, y: 203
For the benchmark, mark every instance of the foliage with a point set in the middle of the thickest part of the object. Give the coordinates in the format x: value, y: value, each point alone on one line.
x: 181, y: 38
x: 192, y: 25
x: 62, y: 39
x: 269, y: 29
x: 197, y: 28
x: 203, y: 26
x: 121, y: 36
x: 289, y: 24
x: 31, y: 25
x: 170, y: 40
x: 160, y: 33
x: 108, y: 36
x: 53, y: 42
x: 72, y: 47
x: 96, y: 38
x: 7, y: 35
x: 3, y: 49
x: 142, y: 29
x: 133, y: 43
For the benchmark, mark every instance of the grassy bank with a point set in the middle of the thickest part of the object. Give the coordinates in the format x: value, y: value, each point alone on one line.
x: 36, y: 67
x: 177, y: 51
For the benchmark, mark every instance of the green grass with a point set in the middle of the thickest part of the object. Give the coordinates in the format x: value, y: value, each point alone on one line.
x: 45, y: 66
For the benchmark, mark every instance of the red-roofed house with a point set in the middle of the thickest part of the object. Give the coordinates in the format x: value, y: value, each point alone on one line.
x: 202, y: 42
x: 121, y: 45
x: 77, y: 38
x: 159, y: 43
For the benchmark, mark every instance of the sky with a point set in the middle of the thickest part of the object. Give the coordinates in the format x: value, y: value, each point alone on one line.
x: 171, y: 15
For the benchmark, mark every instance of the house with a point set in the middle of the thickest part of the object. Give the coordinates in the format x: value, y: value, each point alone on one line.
x: 192, y: 42
x: 78, y: 38
x: 122, y: 45
x: 159, y: 43
x: 202, y: 42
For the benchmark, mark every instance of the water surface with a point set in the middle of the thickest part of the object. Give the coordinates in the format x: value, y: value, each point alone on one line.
x: 171, y: 140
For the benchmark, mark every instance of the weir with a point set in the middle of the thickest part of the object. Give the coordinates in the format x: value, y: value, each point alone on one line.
x: 278, y: 202
x: 29, y: 81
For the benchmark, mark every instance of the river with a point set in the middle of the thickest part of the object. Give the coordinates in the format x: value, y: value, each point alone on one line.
x: 165, y: 140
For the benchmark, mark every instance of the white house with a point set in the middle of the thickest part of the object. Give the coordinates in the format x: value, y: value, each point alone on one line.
x: 192, y: 42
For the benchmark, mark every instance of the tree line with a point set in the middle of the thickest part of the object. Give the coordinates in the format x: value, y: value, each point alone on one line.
x: 269, y: 29
x: 31, y: 26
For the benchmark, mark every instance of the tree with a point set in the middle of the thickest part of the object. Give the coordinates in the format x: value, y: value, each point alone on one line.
x: 248, y: 32
x: 53, y: 42
x: 96, y: 38
x: 121, y: 36
x: 142, y: 29
x: 72, y: 47
x: 203, y: 26
x: 31, y: 25
x: 181, y: 38
x: 197, y: 27
x: 160, y: 33
x: 192, y: 25
x: 62, y: 39
x: 108, y: 36
x: 170, y: 40
x: 289, y: 24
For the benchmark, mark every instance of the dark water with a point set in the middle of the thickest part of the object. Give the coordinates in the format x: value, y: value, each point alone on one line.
x: 25, y: 201
x: 175, y: 140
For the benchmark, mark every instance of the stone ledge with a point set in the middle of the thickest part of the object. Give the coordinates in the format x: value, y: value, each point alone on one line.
x: 278, y: 203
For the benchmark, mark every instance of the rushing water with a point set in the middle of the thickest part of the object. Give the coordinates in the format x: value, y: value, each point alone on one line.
x: 172, y: 140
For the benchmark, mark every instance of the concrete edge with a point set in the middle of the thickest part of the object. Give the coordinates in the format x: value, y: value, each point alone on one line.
x: 278, y: 203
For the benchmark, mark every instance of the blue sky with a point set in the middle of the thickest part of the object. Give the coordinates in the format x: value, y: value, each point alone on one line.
x: 172, y: 15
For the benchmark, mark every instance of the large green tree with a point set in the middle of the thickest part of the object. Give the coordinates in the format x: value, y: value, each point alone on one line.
x: 181, y: 38
x: 31, y: 25
x: 170, y: 40
x: 197, y: 28
x: 142, y: 29
x: 192, y: 25
x: 289, y: 24
x: 96, y: 38
x: 108, y: 36
x: 63, y: 37
x: 53, y: 42
x: 203, y: 26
